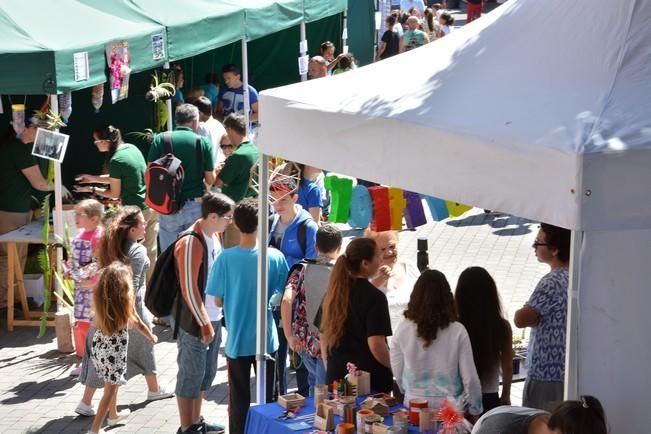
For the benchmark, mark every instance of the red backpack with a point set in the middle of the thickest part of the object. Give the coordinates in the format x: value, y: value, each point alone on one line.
x: 164, y: 179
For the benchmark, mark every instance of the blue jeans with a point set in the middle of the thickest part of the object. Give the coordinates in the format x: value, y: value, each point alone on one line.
x: 170, y: 226
x: 195, y: 365
x: 316, y: 371
x: 211, y: 356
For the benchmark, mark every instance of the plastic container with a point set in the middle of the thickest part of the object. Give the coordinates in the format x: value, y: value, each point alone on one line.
x: 79, y: 332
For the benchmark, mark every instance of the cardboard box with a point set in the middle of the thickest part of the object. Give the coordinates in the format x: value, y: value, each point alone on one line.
x: 324, y: 419
x: 291, y: 400
x: 377, y: 406
x: 361, y: 383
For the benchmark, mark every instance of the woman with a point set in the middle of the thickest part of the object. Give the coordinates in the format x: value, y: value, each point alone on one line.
x: 396, y: 276
x: 120, y: 243
x: 479, y: 310
x: 126, y: 181
x: 356, y: 321
x: 431, y: 25
x: 431, y: 356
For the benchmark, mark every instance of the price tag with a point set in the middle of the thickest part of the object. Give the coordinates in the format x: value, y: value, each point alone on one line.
x: 378, y: 20
x: 302, y: 46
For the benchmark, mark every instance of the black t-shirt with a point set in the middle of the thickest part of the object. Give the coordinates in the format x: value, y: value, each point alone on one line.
x: 392, y: 41
x: 368, y: 316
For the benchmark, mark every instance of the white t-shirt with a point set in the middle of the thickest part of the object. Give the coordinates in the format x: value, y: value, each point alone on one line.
x: 214, y: 130
x: 214, y: 249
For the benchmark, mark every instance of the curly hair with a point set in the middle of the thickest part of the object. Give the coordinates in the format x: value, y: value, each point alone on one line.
x: 431, y: 305
x: 113, y: 299
x: 117, y: 231
x: 558, y: 238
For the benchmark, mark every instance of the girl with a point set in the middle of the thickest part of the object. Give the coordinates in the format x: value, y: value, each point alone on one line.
x: 431, y: 25
x: 356, y: 320
x: 431, y: 354
x: 446, y: 21
x: 114, y: 313
x: 490, y: 334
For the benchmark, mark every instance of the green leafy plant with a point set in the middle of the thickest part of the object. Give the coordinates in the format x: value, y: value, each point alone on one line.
x: 44, y: 262
x: 67, y: 297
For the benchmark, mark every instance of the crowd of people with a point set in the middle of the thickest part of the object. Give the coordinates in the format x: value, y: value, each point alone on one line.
x: 364, y: 305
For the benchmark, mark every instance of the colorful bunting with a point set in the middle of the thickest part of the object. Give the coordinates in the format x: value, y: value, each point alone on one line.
x: 361, y: 208
x: 397, y: 204
x: 414, y: 212
x: 456, y: 209
x: 341, y: 192
x: 381, y: 208
x: 437, y: 208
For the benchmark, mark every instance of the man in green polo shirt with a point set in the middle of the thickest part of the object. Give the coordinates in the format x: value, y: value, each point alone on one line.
x: 184, y: 142
x: 19, y: 173
x: 234, y: 177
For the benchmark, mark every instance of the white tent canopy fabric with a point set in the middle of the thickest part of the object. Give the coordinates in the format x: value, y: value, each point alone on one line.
x: 539, y: 109
x: 522, y: 112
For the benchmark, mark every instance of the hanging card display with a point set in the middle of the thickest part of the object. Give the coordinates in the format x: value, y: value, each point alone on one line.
x: 117, y: 56
x: 18, y: 118
x: 97, y: 96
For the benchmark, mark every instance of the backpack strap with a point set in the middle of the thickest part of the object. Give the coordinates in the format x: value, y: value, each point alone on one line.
x: 301, y: 235
x: 167, y: 143
x: 199, y: 152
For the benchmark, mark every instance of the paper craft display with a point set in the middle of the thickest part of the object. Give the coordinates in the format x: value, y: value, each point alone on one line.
x: 397, y: 205
x: 456, y: 209
x: 324, y: 419
x: 360, y: 381
x: 437, y: 208
x: 377, y: 406
x: 65, y: 106
x: 117, y: 56
x: 341, y: 192
x: 361, y: 208
x: 18, y: 118
x: 380, y: 428
x: 291, y: 400
x: 414, y: 212
x: 97, y: 96
x: 381, y: 220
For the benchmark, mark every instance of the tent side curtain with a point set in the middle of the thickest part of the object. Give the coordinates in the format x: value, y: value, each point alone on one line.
x: 274, y: 17
x: 317, y: 9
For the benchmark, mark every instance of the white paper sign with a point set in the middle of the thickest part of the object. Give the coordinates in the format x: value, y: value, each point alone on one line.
x: 302, y: 64
x: 50, y: 145
x: 344, y: 34
x: 157, y: 46
x: 345, y: 50
x: 80, y: 61
x: 302, y: 47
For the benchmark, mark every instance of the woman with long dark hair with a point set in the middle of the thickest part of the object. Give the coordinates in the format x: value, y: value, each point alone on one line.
x: 431, y: 356
x: 356, y: 320
x: 125, y: 180
x: 478, y: 306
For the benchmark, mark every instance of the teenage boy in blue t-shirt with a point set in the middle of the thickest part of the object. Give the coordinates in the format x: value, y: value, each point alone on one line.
x: 233, y: 283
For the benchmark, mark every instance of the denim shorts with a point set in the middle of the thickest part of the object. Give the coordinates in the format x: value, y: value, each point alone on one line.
x: 192, y: 360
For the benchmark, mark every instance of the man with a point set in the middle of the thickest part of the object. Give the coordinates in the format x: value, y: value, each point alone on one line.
x: 184, y: 143
x: 317, y: 68
x: 233, y: 283
x: 234, y: 177
x: 19, y: 173
x: 474, y: 9
x: 231, y: 95
x: 414, y: 37
x: 199, y: 325
x: 405, y: 5
x: 546, y: 314
x: 390, y: 42
x: 306, y: 287
x: 210, y: 127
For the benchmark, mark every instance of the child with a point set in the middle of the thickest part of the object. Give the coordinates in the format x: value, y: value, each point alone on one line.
x: 114, y: 313
x: 446, y: 20
x: 81, y: 266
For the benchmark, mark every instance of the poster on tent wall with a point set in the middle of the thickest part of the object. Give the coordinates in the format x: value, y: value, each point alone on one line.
x: 117, y: 56
x: 50, y: 145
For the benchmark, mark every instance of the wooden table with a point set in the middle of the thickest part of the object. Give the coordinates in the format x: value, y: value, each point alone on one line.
x: 31, y: 233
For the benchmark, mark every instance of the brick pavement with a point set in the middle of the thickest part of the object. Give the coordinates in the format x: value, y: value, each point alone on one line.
x: 37, y: 395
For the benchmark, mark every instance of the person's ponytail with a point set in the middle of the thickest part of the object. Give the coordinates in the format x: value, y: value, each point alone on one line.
x: 336, y: 303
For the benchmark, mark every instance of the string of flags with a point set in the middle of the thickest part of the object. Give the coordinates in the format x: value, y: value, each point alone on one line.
x: 383, y: 207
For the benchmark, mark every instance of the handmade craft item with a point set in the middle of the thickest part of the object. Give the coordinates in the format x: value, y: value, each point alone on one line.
x: 377, y: 406
x: 359, y: 380
x: 320, y: 394
x: 371, y: 420
x: 361, y: 417
x: 324, y: 418
x: 18, y: 118
x: 361, y: 208
x: 291, y: 400
x: 415, y: 406
x: 345, y: 428
x: 401, y: 421
x: 426, y: 424
x: 450, y: 416
x: 65, y: 106
x: 381, y: 208
x: 97, y: 96
x: 341, y: 191
x: 380, y: 428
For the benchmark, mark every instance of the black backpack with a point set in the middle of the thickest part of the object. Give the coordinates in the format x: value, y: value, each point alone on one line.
x: 164, y: 179
x: 164, y: 286
x: 301, y: 234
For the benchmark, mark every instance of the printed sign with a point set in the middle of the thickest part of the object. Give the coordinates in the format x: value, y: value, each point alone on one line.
x: 80, y: 61
x: 157, y: 46
x: 117, y: 56
x: 50, y: 145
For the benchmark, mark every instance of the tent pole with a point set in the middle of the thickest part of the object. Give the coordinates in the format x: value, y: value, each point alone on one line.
x: 59, y: 229
x: 344, y: 33
x: 303, y: 46
x: 571, y: 334
x: 245, y: 84
x: 168, y: 103
x: 262, y: 304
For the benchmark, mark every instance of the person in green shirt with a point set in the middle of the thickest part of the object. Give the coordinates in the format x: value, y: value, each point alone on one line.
x: 125, y: 181
x: 19, y: 173
x: 234, y: 176
x: 184, y: 143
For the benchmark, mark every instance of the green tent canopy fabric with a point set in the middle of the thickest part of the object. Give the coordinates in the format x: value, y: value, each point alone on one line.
x: 38, y: 43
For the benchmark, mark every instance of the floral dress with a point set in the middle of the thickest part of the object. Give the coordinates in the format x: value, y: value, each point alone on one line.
x: 109, y: 354
x: 81, y: 266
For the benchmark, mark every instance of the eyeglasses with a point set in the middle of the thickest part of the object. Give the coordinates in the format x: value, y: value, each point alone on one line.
x: 100, y: 141
x: 81, y: 214
x: 228, y: 217
x: 225, y: 146
x: 537, y: 244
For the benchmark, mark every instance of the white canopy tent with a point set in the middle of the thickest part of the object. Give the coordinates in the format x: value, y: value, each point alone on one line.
x: 539, y: 109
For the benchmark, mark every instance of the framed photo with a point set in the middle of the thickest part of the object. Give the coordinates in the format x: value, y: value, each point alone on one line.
x: 50, y: 145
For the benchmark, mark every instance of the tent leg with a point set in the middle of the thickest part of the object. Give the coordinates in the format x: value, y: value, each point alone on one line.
x: 168, y: 103
x: 571, y: 334
x: 261, y: 322
x: 245, y: 83
x: 303, y: 46
x: 59, y: 229
x: 344, y: 34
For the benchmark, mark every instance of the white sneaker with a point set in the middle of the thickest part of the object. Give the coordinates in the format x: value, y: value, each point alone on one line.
x: 161, y: 394
x: 85, y: 410
x: 119, y: 418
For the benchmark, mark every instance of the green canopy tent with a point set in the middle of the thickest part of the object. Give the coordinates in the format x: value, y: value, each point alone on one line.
x: 37, y: 48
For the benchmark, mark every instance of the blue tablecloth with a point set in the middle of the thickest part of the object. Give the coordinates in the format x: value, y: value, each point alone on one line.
x: 263, y: 419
